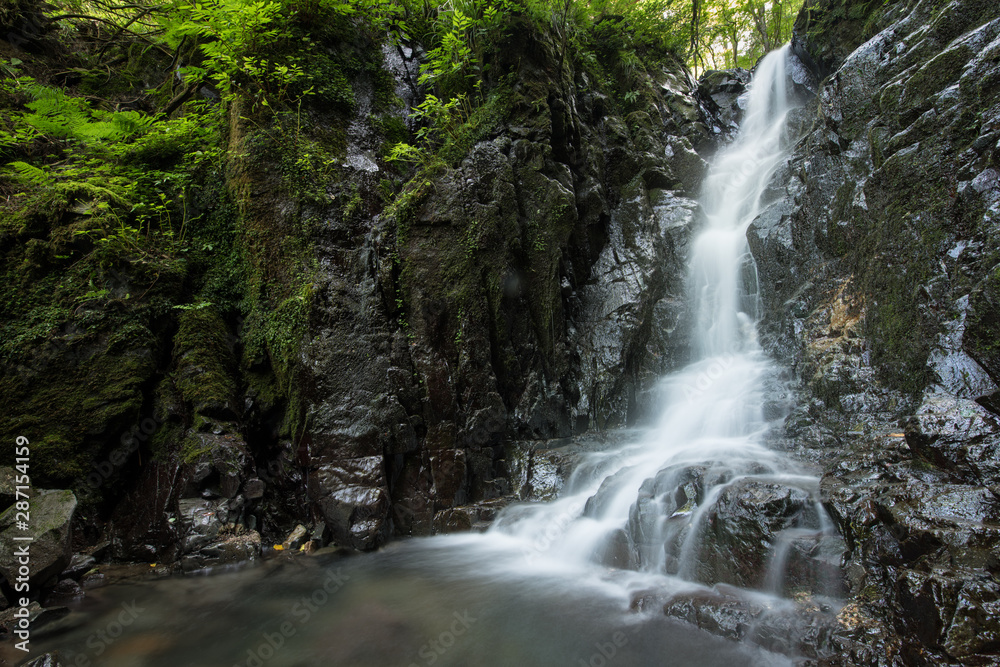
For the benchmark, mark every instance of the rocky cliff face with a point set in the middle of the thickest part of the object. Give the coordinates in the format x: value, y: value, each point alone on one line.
x: 528, y: 288
x: 355, y: 347
x: 879, y: 265
x: 406, y: 340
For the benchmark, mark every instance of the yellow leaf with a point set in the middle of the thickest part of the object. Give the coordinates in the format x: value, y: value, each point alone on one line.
x: 278, y: 547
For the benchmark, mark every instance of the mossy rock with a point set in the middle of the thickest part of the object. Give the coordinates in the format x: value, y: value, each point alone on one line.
x: 205, y: 368
x: 74, y: 409
x: 50, y: 515
x: 982, y: 330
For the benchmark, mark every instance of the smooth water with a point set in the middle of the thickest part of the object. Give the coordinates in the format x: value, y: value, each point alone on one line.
x: 548, y: 584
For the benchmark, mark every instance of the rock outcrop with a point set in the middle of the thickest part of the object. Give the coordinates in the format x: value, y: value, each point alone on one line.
x: 878, y: 270
x: 528, y: 288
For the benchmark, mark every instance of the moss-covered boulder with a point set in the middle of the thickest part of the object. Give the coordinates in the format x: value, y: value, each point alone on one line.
x: 49, y: 525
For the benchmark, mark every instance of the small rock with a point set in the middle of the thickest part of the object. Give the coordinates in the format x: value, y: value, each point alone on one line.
x: 38, y: 617
x: 318, y: 535
x: 296, y: 538
x: 92, y: 580
x: 253, y: 489
x: 64, y: 591
x: 79, y: 565
x: 47, y: 660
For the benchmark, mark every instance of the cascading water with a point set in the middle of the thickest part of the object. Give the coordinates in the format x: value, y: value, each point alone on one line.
x: 646, y: 506
x: 698, y: 501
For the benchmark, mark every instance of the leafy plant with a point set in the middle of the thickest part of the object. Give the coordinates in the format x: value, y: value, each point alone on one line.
x: 31, y: 174
x: 58, y: 116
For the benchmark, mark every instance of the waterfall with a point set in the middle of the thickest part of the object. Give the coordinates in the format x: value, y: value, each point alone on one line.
x: 696, y: 501
x: 646, y: 506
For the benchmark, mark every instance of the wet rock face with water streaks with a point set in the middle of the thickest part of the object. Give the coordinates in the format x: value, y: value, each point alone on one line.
x: 879, y: 260
x: 745, y: 529
x: 531, y: 289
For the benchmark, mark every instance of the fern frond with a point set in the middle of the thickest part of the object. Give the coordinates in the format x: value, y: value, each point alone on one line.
x: 30, y: 173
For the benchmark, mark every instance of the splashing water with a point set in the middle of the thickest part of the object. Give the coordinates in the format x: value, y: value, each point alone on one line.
x: 535, y: 589
x: 645, y: 506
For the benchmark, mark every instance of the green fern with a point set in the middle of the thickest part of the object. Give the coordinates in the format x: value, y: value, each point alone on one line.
x: 59, y: 116
x: 31, y: 174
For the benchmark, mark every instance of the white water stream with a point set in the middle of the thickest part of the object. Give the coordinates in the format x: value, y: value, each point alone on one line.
x: 644, y: 506
x: 536, y: 590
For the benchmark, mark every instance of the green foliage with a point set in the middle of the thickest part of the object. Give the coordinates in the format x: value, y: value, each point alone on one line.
x: 738, y: 34
x: 264, y: 50
x: 234, y: 38
x: 31, y: 174
x: 56, y: 115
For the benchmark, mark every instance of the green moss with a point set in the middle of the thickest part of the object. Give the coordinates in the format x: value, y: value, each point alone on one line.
x: 205, y: 367
x: 483, y: 121
x: 74, y: 408
x: 163, y: 442
x: 193, y: 448
x: 935, y: 75
x: 896, y: 254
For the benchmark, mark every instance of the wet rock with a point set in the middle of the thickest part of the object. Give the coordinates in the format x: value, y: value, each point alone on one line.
x: 616, y: 551
x: 318, y: 535
x: 878, y: 293
x: 8, y: 489
x: 688, y: 167
x: 958, y: 373
x: 743, y: 527
x: 973, y: 629
x: 38, y: 618
x: 201, y: 521
x: 79, y: 565
x: 237, y: 546
x: 659, y: 519
x: 253, y: 489
x: 983, y: 321
x: 47, y: 660
x: 51, y: 514
x: 783, y: 627
x: 221, y: 467
x: 296, y: 538
x: 354, y: 501
x: 64, y: 591
x: 177, y: 508
x: 204, y: 364
x: 956, y: 434
x: 448, y: 476
x: 93, y: 580
x: 141, y: 526
x: 476, y: 516
x: 453, y: 520
x: 725, y: 89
